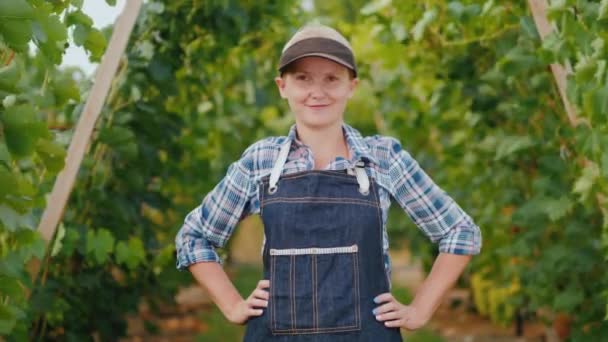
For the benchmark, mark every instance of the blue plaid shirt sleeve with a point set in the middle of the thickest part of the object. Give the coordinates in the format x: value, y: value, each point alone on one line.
x: 211, y: 224
x: 431, y: 209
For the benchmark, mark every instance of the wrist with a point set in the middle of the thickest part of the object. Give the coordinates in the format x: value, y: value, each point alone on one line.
x: 424, y: 312
x: 231, y: 311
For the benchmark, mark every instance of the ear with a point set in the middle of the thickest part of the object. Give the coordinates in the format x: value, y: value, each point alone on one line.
x: 281, y: 85
x: 352, y: 86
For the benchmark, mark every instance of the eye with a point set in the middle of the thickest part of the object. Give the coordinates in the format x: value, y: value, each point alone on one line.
x: 301, y: 77
x: 332, y: 78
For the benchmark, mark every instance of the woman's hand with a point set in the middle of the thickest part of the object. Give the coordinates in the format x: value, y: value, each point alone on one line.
x: 397, y: 315
x: 252, y: 305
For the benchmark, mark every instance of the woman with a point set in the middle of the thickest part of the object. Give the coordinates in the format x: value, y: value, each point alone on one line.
x: 323, y: 193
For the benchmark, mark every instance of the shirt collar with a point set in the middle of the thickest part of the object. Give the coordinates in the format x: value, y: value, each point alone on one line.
x: 355, y: 141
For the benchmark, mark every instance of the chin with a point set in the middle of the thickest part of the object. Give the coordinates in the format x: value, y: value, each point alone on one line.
x: 319, y: 119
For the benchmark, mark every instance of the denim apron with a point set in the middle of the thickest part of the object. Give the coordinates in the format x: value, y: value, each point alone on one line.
x: 323, y: 256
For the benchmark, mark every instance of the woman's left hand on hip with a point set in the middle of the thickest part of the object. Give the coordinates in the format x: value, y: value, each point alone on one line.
x: 397, y: 315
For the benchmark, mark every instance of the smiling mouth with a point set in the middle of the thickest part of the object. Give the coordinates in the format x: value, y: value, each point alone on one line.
x: 318, y: 106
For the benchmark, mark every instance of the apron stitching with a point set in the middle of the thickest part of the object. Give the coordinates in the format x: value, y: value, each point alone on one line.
x: 273, y: 292
x: 341, y: 176
x: 358, y: 295
x: 315, y: 314
x: 293, y: 292
x: 333, y: 202
x: 320, y: 199
x: 309, y: 330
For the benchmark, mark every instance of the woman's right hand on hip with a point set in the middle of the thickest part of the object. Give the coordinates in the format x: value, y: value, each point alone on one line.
x: 253, y: 306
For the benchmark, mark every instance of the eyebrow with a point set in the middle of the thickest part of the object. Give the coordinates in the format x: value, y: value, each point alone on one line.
x: 333, y: 73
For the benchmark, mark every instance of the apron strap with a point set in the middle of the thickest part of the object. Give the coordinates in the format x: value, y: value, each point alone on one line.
x: 362, y: 178
x: 277, y: 169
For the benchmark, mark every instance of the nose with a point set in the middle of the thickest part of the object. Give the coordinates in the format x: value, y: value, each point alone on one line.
x: 317, y: 91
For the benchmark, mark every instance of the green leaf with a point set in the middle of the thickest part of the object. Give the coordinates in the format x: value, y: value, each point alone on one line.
x: 52, y: 155
x: 95, y: 44
x: 568, y: 300
x: 586, y: 181
x: 130, y: 254
x: 11, y: 287
x: 56, y: 32
x: 111, y: 2
x: 16, y: 33
x: 529, y: 27
x: 100, y: 244
x: 39, y: 33
x: 556, y: 8
x: 80, y: 18
x: 9, y: 101
x: 456, y: 9
x: 5, y: 156
x: 511, y: 144
x: 595, y: 102
x: 487, y: 6
x: 556, y: 47
x: 9, y: 76
x: 603, y: 10
x: 604, y: 163
x: 420, y: 27
x: 9, y: 315
x: 58, y: 242
x: 557, y: 208
x: 155, y: 7
x: 80, y: 34
x: 71, y: 241
x: 15, y: 9
x: 65, y: 89
x: 22, y: 130
x: 116, y: 136
x: 585, y: 69
x: 516, y: 61
x: 8, y: 183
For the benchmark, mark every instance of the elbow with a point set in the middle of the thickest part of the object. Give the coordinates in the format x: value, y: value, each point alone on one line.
x: 464, y: 239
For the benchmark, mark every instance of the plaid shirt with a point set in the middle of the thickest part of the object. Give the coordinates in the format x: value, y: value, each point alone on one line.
x: 398, y: 175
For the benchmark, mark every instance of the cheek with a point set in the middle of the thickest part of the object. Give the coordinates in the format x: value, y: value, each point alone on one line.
x: 341, y: 94
x: 298, y: 95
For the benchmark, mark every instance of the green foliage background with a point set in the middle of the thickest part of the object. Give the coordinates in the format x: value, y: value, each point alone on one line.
x: 465, y: 85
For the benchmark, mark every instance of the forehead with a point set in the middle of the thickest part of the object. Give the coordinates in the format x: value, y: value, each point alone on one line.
x: 317, y: 64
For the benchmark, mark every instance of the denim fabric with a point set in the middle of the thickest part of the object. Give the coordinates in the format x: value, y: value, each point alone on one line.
x: 324, y: 259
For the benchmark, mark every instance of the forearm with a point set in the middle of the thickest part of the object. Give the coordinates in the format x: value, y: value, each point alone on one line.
x: 444, y: 273
x: 214, y: 279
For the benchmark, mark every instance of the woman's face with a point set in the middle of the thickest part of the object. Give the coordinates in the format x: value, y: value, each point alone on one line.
x: 317, y: 90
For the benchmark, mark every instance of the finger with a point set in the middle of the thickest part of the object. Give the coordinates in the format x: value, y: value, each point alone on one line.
x: 394, y: 323
x: 389, y: 316
x: 258, y: 303
x: 255, y: 312
x: 261, y: 294
x: 263, y: 284
x: 385, y: 297
x: 387, y: 307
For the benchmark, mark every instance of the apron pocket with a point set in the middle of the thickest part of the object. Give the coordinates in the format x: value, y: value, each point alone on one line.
x: 314, y: 290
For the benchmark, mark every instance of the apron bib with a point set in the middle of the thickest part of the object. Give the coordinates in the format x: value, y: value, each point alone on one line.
x: 323, y: 256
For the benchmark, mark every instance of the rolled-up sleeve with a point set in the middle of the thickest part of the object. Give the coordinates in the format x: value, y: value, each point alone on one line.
x: 432, y: 210
x: 210, y: 225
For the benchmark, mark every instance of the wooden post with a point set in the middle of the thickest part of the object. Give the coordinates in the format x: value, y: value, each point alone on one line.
x: 103, y: 79
x: 539, y: 12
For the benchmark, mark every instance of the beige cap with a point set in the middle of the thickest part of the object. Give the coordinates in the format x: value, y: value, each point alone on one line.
x: 318, y: 40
